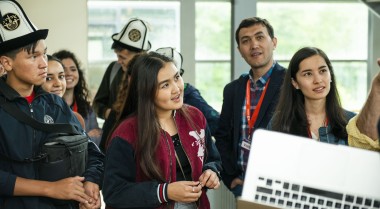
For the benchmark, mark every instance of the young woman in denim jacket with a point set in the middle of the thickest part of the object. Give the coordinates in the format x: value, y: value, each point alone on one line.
x: 309, y: 103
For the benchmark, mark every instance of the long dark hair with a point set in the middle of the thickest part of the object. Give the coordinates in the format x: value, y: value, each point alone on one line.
x: 290, y: 115
x: 141, y: 92
x: 81, y: 92
x: 139, y: 101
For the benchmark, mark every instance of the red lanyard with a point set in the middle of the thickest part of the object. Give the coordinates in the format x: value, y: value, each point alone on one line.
x: 75, y: 107
x: 309, y: 131
x: 251, y: 121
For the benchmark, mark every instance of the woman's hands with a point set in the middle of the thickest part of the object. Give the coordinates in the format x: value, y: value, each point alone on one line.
x: 209, y: 179
x: 190, y: 191
x: 184, y: 191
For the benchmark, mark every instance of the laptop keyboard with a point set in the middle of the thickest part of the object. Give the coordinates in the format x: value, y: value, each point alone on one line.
x: 289, y: 195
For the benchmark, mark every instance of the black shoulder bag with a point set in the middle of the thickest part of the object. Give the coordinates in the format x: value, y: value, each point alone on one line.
x: 63, y: 155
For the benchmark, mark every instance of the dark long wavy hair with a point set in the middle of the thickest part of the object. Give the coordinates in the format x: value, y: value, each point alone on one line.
x: 81, y: 92
x: 290, y: 115
x: 139, y: 101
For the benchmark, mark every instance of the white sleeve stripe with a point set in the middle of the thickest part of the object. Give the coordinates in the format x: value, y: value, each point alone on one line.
x: 164, y: 192
x: 158, y: 193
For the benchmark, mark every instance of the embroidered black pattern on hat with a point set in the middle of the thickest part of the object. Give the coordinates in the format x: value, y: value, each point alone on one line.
x: 134, y: 35
x: 10, y: 21
x: 16, y: 30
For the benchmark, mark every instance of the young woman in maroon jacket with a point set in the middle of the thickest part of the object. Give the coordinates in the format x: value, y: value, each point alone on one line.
x: 160, y: 155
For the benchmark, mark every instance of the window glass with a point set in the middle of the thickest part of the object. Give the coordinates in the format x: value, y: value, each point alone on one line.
x: 212, y: 81
x: 213, y: 31
x: 106, y: 18
x: 332, y: 27
x: 213, y: 50
x: 351, y: 80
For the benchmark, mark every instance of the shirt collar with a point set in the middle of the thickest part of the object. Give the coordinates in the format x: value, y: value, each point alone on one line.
x: 263, y: 79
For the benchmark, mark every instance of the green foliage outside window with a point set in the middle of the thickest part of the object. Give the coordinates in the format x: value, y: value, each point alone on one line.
x: 339, y: 29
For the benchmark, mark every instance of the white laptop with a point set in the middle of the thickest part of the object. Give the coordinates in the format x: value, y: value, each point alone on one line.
x: 286, y: 171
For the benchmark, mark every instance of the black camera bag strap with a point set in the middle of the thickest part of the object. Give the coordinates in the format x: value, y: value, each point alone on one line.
x: 27, y: 119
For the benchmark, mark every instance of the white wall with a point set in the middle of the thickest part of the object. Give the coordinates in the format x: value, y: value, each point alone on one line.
x: 66, y: 21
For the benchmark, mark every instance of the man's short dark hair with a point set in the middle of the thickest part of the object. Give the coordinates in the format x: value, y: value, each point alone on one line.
x: 253, y: 21
x: 30, y: 48
x: 120, y: 47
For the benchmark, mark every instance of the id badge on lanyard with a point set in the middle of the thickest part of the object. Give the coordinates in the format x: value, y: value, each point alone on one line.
x: 246, y: 144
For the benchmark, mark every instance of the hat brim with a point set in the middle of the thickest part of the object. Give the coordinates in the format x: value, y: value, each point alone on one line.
x: 22, y: 41
x: 130, y: 48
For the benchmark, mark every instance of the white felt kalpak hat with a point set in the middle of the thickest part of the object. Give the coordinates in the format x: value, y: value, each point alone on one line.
x: 172, y: 54
x: 16, y: 30
x: 134, y: 36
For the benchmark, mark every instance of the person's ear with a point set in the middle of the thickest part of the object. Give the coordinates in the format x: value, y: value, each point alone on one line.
x: 274, y: 40
x: 295, y: 84
x: 238, y: 48
x: 6, y: 62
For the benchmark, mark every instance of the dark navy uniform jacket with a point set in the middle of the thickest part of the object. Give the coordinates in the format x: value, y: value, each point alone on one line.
x: 228, y: 133
x: 19, y: 141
